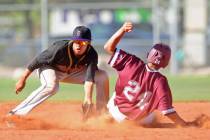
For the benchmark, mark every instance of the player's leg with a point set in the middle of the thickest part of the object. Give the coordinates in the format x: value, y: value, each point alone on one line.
x: 77, y: 76
x: 114, y: 110
x: 102, y: 89
x: 49, y: 86
x: 147, y: 120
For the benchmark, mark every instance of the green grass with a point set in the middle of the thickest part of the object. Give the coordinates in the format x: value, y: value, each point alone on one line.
x: 190, y: 88
x: 66, y: 91
x: 184, y: 88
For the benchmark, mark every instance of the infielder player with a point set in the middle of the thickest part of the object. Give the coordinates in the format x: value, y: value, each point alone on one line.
x: 71, y: 61
x: 140, y: 88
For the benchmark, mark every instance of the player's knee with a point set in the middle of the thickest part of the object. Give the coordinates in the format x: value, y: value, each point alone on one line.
x: 101, y: 76
x: 148, y: 120
x: 52, y: 88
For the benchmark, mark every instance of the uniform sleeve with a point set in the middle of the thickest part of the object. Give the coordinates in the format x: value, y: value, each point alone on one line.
x: 42, y: 59
x: 119, y: 59
x: 45, y: 58
x: 165, y: 97
x: 92, y: 67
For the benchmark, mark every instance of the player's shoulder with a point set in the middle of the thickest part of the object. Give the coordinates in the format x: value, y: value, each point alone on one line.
x: 92, y: 51
x: 134, y: 56
x: 60, y: 43
x: 125, y: 57
x: 161, y: 78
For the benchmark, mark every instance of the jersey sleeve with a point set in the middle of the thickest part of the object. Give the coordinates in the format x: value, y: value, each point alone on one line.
x: 40, y: 60
x: 92, y: 66
x: 46, y: 57
x: 119, y: 59
x: 165, y: 97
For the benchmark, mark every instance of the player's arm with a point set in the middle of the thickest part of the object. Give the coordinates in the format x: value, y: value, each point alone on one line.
x: 89, y: 78
x: 177, y: 119
x: 111, y: 44
x: 88, y: 87
x: 87, y: 105
x: 165, y: 103
x: 37, y: 62
x: 21, y: 82
x: 42, y: 59
x: 180, y: 122
x: 89, y: 83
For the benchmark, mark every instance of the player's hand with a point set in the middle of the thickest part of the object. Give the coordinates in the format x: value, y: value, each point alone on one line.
x: 127, y: 27
x: 19, y: 86
x: 199, y: 121
x: 189, y: 124
x: 87, y: 111
x: 192, y: 124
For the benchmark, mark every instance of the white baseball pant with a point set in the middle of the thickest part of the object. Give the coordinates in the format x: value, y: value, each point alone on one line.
x: 50, y: 84
x: 120, y: 117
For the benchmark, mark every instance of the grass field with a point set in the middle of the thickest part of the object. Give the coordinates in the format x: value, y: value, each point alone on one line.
x: 184, y: 88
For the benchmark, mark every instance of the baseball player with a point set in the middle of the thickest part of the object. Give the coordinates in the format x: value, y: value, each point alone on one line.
x: 140, y: 88
x: 70, y: 61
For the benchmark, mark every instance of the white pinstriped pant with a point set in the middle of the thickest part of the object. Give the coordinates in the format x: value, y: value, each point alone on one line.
x: 50, y: 84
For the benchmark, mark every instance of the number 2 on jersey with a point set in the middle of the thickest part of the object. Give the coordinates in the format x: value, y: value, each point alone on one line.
x: 133, y: 87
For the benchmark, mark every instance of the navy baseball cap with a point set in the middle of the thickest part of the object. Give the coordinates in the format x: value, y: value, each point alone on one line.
x: 81, y: 33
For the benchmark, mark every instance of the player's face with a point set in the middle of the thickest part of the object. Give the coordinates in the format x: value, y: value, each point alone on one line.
x: 152, y: 66
x: 79, y: 47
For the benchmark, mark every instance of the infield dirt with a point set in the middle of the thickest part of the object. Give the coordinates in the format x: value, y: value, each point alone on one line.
x: 62, y: 121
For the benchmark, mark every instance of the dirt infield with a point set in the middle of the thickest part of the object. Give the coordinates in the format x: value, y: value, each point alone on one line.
x: 62, y: 121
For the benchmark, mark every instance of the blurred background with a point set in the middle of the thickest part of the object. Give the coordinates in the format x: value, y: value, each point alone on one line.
x: 29, y: 26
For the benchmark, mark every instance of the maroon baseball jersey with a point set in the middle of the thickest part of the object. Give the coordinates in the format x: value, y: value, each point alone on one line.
x: 139, y: 90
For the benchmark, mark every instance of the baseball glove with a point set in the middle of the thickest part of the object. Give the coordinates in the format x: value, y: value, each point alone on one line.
x: 87, y: 111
